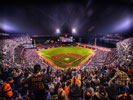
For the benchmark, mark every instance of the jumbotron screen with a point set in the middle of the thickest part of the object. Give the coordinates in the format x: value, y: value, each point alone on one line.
x: 66, y: 39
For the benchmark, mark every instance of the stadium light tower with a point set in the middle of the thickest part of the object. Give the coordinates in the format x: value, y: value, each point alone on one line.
x: 74, y: 30
x: 57, y: 30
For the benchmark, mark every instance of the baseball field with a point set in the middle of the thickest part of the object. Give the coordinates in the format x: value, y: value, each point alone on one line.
x: 66, y: 57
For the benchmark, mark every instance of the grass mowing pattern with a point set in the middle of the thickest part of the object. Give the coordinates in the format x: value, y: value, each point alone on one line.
x: 48, y: 53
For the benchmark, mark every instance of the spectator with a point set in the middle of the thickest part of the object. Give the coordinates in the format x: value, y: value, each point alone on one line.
x: 112, y: 91
x: 88, y: 92
x: 66, y: 88
x: 120, y: 78
x: 38, y: 84
x: 62, y: 95
x: 6, y: 88
x: 129, y: 88
x: 75, y: 92
x: 101, y: 93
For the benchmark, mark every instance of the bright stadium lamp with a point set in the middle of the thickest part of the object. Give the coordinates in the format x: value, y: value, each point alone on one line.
x: 73, y: 30
x: 57, y: 30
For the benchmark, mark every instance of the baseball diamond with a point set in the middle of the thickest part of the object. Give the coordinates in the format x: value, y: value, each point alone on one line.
x: 66, y: 57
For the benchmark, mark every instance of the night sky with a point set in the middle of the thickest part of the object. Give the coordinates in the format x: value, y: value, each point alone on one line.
x: 88, y: 17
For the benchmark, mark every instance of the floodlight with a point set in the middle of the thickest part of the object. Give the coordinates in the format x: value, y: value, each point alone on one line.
x: 73, y: 30
x: 57, y: 30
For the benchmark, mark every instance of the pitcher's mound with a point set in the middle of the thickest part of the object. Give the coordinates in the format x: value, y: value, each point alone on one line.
x: 67, y: 59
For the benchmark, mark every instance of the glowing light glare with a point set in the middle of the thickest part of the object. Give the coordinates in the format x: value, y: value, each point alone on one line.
x: 57, y: 30
x: 124, y: 25
x: 7, y: 27
x: 74, y: 30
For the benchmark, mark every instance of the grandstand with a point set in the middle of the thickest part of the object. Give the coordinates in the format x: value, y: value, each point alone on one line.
x: 16, y: 56
x: 80, y: 64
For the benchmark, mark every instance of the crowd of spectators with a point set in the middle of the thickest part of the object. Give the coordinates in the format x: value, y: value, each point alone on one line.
x: 111, y: 57
x: 31, y: 57
x: 71, y: 84
x: 98, y: 59
x: 11, y: 49
x: 46, y: 46
x: 18, y: 54
x: 125, y: 50
x: 95, y: 82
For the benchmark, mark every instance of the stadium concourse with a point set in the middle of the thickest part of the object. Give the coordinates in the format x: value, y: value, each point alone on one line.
x: 107, y: 75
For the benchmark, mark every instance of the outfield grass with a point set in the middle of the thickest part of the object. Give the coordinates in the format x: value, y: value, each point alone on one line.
x: 48, y: 53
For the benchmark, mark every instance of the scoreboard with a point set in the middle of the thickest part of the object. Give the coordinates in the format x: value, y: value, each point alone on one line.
x: 66, y: 39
